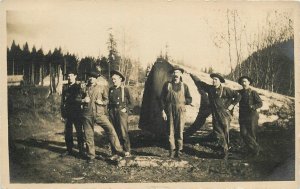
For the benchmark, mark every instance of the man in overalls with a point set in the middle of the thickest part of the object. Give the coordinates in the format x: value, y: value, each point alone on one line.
x: 120, y: 103
x: 175, y: 95
x: 94, y: 101
x: 248, y: 116
x: 222, y: 101
x: 70, y: 112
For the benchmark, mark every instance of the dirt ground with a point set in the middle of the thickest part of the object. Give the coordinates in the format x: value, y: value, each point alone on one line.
x: 36, y: 141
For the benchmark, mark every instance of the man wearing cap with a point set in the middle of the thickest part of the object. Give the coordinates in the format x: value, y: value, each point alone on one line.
x: 70, y: 112
x: 120, y: 103
x: 222, y: 100
x: 248, y: 116
x: 94, y: 101
x: 174, y: 96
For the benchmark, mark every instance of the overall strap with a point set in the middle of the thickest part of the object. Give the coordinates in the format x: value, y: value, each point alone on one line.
x: 182, y: 89
x: 122, y: 93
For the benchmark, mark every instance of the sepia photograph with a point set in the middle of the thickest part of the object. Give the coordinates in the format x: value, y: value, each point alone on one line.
x: 154, y: 94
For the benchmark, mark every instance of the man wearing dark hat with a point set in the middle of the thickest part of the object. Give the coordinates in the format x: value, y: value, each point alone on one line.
x: 248, y: 116
x: 174, y: 96
x: 120, y: 103
x: 70, y: 111
x: 222, y: 100
x: 94, y: 101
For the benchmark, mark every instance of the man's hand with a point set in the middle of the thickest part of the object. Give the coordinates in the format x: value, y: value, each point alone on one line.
x: 86, y: 99
x: 123, y: 110
x: 230, y: 108
x: 100, y: 102
x: 164, y: 115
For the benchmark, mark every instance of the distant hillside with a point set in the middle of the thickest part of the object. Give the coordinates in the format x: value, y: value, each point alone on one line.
x: 271, y: 68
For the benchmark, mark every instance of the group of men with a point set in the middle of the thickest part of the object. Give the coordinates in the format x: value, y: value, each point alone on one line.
x: 175, y: 95
x: 85, y: 105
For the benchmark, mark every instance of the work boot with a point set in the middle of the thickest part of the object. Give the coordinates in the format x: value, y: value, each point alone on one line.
x: 171, y: 154
x: 127, y: 154
x: 67, y: 153
x: 226, y: 153
x: 90, y: 160
x: 178, y: 154
x: 115, y: 157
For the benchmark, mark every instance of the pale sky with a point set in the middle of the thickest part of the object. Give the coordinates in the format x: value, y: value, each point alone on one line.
x: 82, y: 28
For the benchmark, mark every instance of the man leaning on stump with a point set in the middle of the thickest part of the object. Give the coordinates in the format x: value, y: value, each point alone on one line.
x: 86, y: 106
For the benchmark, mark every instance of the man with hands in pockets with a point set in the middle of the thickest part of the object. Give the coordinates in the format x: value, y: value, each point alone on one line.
x: 94, y: 101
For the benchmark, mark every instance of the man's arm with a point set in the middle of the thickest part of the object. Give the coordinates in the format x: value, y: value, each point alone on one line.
x: 104, y: 96
x: 188, y: 97
x: 62, y: 103
x: 200, y: 84
x: 234, y: 95
x: 128, y: 98
x: 257, y: 102
x: 163, y: 96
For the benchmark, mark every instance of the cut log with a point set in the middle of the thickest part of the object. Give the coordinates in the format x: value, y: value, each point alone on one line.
x: 152, y: 161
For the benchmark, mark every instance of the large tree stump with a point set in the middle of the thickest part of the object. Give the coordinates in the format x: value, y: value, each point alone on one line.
x: 151, y: 117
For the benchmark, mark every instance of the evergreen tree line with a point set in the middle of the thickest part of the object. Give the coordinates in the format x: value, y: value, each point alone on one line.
x: 271, y: 68
x: 35, y: 65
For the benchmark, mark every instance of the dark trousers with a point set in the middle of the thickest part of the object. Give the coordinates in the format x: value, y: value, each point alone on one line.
x: 119, y: 120
x: 176, y: 122
x: 248, y: 124
x: 88, y: 126
x: 221, y: 124
x: 199, y: 122
x: 69, y: 133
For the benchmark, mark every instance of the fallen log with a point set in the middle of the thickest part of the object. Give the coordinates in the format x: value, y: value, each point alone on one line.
x: 152, y: 161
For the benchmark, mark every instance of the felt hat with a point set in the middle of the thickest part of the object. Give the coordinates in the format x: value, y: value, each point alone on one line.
x: 217, y: 75
x: 113, y: 72
x: 244, y: 77
x: 93, y: 74
x: 177, y: 68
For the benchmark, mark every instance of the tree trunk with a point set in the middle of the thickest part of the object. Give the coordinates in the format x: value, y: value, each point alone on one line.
x: 229, y: 46
x: 50, y: 77
x: 41, y: 75
x: 32, y: 73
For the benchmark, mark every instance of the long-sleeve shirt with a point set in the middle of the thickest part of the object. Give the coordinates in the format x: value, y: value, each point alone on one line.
x: 70, y: 100
x: 176, y: 87
x: 220, y: 98
x: 95, y: 92
x: 250, y: 101
x: 119, y: 100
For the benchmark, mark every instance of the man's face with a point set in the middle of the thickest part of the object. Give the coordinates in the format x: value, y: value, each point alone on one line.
x: 117, y: 80
x: 71, y: 78
x: 216, y: 82
x: 177, y: 74
x: 245, y: 83
x: 92, y: 80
